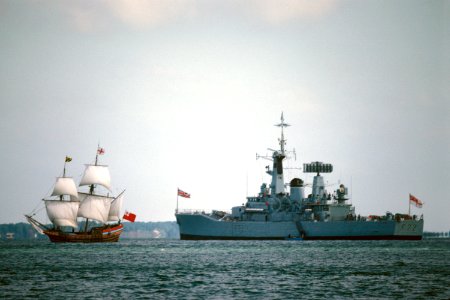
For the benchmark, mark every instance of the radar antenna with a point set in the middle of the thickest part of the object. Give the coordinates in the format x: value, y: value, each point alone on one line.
x: 282, y: 140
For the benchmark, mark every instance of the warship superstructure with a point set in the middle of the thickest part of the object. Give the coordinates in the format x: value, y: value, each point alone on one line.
x: 276, y: 213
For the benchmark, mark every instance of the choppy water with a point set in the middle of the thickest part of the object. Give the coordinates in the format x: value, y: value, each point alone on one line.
x: 165, y: 269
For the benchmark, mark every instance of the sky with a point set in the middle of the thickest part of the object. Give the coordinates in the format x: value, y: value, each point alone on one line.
x: 184, y: 93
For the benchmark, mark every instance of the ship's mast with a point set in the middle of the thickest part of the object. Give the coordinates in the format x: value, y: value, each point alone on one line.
x: 64, y: 175
x: 282, y: 140
x: 277, y: 185
x: 91, y: 187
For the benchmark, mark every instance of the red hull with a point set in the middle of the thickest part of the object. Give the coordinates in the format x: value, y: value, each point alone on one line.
x: 104, y: 234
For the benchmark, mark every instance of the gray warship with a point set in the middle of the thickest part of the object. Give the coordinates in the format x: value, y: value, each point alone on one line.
x: 276, y: 213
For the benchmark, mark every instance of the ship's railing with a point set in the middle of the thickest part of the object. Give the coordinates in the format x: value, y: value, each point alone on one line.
x: 199, y: 211
x: 195, y: 211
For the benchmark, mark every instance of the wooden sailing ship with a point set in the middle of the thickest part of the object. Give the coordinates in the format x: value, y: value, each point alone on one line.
x: 69, y: 205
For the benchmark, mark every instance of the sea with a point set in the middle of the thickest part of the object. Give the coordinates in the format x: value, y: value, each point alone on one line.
x: 174, y: 269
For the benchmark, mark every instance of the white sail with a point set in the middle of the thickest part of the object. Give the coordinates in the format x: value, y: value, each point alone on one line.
x: 62, y: 213
x: 81, y: 197
x: 65, y: 186
x: 95, y: 207
x: 114, y: 210
x: 96, y: 175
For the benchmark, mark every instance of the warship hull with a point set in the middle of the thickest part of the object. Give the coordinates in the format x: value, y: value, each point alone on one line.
x: 361, y: 230
x: 205, y: 227
x: 105, y: 234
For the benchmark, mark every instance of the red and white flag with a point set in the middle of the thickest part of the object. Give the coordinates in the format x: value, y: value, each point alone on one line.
x: 129, y: 216
x: 183, y: 194
x: 415, y: 201
x: 100, y: 151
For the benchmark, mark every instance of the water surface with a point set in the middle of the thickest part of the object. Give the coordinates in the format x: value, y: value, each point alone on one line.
x: 173, y: 269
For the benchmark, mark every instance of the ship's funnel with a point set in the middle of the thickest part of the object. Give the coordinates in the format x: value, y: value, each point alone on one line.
x: 318, y: 189
x: 297, y: 190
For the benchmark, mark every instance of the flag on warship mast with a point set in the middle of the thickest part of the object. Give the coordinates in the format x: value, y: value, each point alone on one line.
x: 415, y: 201
x: 183, y: 194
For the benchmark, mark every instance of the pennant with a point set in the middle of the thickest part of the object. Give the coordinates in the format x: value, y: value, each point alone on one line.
x: 68, y: 159
x: 415, y: 201
x: 129, y: 216
x: 183, y: 194
x: 100, y: 151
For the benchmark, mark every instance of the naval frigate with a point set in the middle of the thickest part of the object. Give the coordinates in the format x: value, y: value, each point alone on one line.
x: 277, y: 213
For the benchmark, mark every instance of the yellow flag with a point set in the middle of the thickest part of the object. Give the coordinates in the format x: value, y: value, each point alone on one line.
x: 68, y: 158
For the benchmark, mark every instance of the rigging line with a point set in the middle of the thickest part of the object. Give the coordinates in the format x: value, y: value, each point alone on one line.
x: 35, y: 212
x: 115, y: 198
x: 47, y: 193
x: 49, y: 189
x: 39, y: 201
x: 38, y: 210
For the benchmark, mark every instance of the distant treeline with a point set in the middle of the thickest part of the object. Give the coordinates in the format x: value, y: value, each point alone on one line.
x: 165, y: 230
x: 443, y: 234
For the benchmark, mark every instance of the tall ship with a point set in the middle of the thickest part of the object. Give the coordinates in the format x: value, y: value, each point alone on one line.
x: 277, y: 213
x: 98, y: 213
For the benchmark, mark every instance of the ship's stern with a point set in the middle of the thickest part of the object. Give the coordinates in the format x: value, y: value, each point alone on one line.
x: 409, y: 229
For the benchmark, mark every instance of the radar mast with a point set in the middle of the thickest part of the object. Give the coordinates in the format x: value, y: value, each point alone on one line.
x: 282, y: 140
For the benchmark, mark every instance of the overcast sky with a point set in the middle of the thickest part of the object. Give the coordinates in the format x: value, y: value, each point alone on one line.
x: 185, y: 93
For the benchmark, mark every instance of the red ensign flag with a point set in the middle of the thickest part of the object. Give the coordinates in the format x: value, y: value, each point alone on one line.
x: 129, y: 216
x: 183, y: 194
x: 415, y: 201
